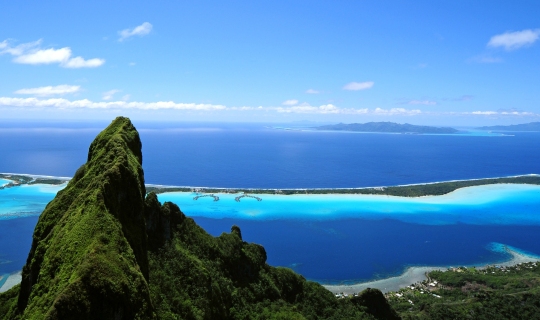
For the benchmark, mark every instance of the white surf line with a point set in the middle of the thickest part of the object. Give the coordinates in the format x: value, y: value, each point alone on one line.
x: 353, y: 188
x: 12, y: 280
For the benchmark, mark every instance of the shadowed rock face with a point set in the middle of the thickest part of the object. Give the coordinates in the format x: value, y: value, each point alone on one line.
x: 100, y: 250
x: 89, y: 251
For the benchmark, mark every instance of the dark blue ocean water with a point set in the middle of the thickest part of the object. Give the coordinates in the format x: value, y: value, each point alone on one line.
x: 252, y: 156
x: 354, y: 250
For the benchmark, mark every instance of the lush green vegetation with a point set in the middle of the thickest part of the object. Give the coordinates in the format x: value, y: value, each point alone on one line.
x: 389, y: 127
x: 102, y: 250
x: 88, y: 257
x: 418, y: 190
x: 197, y: 276
x: 470, y: 293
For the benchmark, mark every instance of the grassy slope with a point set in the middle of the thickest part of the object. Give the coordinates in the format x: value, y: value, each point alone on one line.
x: 197, y: 276
x: 88, y: 256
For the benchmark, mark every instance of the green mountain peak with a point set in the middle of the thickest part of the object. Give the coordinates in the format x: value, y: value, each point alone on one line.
x: 103, y: 249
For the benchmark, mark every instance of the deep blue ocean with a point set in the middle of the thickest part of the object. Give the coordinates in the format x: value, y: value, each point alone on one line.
x: 344, y: 248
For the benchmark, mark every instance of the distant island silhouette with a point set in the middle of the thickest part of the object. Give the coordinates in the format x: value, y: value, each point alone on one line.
x: 388, y: 127
x: 531, y: 126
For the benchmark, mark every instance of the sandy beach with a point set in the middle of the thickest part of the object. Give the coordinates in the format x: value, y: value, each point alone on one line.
x: 418, y: 274
x: 12, y: 280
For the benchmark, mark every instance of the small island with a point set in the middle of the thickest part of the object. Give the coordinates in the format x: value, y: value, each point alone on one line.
x: 17, y: 180
x: 531, y: 126
x: 388, y: 127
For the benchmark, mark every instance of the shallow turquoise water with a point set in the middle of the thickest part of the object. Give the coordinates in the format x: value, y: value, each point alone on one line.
x: 4, y: 182
x: 26, y: 200
x: 335, y: 238
x: 484, y: 205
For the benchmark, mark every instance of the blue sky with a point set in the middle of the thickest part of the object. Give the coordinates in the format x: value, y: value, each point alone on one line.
x: 422, y: 62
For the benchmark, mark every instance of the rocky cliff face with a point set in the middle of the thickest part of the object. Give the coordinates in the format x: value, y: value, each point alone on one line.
x: 101, y: 250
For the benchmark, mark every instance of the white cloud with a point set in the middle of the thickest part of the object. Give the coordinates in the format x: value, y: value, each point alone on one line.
x: 502, y: 113
x: 485, y: 113
x: 108, y: 95
x: 312, y: 91
x: 30, y: 53
x: 46, y: 56
x: 355, y: 86
x: 514, y: 40
x: 50, y: 90
x: 79, y: 62
x: 5, y: 47
x: 141, y: 30
x: 422, y: 102
x: 397, y: 111
x: 61, y: 103
x: 291, y: 102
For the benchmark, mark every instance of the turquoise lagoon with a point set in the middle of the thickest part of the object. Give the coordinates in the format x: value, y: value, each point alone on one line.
x: 504, y: 204
x: 336, y: 238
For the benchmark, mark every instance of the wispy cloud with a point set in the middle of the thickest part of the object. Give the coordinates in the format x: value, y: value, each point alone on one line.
x: 327, y: 109
x: 79, y: 62
x: 108, y: 95
x: 502, y: 113
x: 140, y: 31
x: 324, y: 109
x: 50, y: 90
x: 61, y: 103
x: 514, y: 40
x: 397, y: 111
x: 291, y: 102
x: 356, y: 86
x: 312, y: 91
x: 466, y: 97
x: 5, y: 47
x: 423, y: 102
x: 485, y: 59
x: 31, y: 53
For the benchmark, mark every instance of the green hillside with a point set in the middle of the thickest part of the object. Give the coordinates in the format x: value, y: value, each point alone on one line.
x: 470, y: 293
x: 101, y: 250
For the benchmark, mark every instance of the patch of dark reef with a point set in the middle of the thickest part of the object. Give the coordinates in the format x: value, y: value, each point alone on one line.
x: 105, y: 249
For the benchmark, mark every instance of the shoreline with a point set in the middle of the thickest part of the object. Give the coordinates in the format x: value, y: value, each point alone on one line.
x: 12, y: 280
x: 351, y: 188
x: 409, y: 277
x: 413, y: 275
x: 3, y: 174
